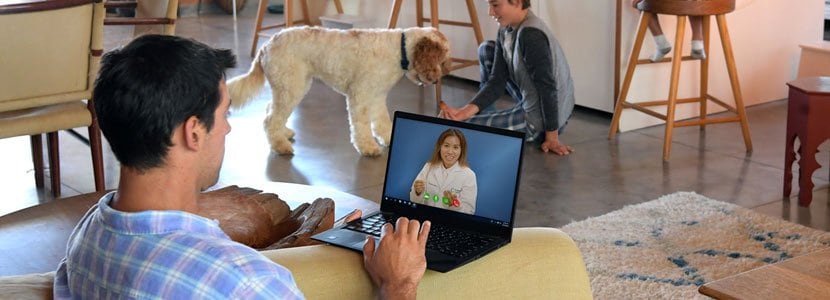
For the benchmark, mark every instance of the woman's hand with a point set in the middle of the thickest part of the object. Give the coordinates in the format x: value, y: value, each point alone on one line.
x: 419, y: 187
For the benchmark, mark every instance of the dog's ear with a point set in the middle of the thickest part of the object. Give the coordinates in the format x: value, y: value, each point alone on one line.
x: 430, y: 57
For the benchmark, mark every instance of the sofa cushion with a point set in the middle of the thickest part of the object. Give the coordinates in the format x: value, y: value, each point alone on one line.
x: 29, y: 286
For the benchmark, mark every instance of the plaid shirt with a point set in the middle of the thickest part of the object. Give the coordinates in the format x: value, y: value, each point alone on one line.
x: 163, y: 255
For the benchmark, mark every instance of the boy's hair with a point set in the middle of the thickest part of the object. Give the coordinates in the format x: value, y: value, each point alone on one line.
x: 525, y: 3
x: 151, y: 86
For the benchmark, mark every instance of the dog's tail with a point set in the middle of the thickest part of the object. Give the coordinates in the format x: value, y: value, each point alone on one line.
x: 244, y: 87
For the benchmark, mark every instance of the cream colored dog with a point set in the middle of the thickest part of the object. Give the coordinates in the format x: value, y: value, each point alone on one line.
x: 362, y: 64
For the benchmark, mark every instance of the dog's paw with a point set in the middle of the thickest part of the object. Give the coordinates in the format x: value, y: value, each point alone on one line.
x: 369, y: 151
x: 283, y: 149
x: 289, y: 134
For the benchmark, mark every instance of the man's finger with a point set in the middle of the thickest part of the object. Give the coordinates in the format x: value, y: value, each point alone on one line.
x: 414, y: 227
x: 402, y: 225
x: 424, y: 234
x: 368, y: 249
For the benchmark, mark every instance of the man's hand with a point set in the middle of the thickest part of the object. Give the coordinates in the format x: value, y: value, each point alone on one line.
x: 419, y: 187
x: 460, y: 114
x: 354, y: 215
x: 398, y: 263
x: 552, y: 144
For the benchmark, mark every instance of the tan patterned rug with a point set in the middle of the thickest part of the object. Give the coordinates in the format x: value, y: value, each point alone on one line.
x: 667, y: 248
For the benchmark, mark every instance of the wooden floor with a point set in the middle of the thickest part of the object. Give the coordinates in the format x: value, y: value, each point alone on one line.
x: 601, y: 176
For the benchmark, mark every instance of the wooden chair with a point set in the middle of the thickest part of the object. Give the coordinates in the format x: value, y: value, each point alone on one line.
x: 168, y: 21
x: 289, y: 18
x: 681, y: 9
x: 435, y: 21
x: 49, y: 63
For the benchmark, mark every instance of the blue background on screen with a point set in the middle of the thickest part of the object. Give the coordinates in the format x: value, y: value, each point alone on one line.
x: 494, y: 158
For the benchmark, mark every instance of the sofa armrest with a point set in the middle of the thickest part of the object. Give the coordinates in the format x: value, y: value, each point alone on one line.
x: 538, y: 263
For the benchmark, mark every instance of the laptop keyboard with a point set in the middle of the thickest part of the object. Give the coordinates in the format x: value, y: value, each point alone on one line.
x: 442, y: 239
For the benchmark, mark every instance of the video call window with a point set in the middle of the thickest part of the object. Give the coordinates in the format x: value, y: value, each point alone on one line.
x: 454, y: 168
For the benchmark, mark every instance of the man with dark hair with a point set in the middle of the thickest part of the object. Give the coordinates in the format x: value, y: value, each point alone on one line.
x: 526, y: 60
x: 162, y: 104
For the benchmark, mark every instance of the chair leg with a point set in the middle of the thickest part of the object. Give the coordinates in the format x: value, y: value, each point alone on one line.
x: 733, y: 79
x: 37, y: 158
x: 338, y: 6
x: 675, y: 76
x: 54, y: 163
x: 263, y: 4
x: 629, y: 74
x: 95, y: 148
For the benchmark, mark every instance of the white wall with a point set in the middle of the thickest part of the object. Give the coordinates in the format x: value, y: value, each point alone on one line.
x: 765, y: 38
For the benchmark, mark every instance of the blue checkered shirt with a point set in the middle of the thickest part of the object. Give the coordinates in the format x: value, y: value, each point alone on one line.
x: 163, y: 255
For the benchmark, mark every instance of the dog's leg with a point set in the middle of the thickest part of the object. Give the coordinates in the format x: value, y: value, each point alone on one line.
x: 381, y: 123
x: 287, y: 93
x: 360, y: 123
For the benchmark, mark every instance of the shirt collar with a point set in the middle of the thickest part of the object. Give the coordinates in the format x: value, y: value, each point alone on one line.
x: 154, y: 221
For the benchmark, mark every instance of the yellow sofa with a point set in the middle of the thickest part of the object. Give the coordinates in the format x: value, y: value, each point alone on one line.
x: 540, y: 263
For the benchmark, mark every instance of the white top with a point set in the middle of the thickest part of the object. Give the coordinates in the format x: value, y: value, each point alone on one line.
x: 457, y: 180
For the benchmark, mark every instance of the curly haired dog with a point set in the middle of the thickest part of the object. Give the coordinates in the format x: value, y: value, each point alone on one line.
x: 362, y: 64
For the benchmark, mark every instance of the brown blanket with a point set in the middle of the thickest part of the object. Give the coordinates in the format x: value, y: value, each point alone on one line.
x: 263, y: 220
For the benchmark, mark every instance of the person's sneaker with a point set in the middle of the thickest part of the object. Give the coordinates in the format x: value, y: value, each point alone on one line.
x: 659, y: 54
x: 698, y: 54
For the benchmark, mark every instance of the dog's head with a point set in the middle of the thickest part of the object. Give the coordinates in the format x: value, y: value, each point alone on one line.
x: 430, y: 55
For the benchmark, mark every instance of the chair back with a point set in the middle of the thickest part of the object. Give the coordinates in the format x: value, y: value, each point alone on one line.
x: 51, y: 51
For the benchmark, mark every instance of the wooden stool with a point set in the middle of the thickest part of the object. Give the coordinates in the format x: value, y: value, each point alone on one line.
x: 288, y: 11
x: 683, y: 8
x: 808, y: 108
x: 456, y: 63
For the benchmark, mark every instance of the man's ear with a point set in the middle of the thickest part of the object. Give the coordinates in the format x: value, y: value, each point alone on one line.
x: 194, y: 133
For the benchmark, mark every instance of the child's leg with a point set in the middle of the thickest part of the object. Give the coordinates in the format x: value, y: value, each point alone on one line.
x: 697, y: 37
x: 663, y: 45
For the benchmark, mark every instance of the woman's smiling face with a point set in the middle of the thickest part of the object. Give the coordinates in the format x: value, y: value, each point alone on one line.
x: 450, y: 150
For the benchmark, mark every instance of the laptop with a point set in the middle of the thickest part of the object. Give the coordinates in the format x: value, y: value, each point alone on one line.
x: 471, y: 215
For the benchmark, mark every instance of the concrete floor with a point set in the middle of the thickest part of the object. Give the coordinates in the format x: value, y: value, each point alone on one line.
x: 603, y: 175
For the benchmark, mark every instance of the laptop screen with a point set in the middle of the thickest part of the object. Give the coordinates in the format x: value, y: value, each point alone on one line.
x: 443, y: 166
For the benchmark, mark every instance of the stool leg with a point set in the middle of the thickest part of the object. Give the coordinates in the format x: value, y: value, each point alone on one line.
x: 433, y: 18
x: 733, y: 79
x: 289, y: 13
x: 433, y: 13
x: 704, y: 73
x: 258, y: 24
x: 338, y: 6
x: 629, y: 73
x: 419, y: 13
x: 675, y: 76
x: 471, y: 8
x: 393, y: 16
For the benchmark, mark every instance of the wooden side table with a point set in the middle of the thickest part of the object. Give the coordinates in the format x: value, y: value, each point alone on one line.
x: 807, y: 112
x: 803, y: 277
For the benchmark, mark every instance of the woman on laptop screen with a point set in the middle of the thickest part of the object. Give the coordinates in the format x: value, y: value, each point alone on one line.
x: 446, y: 180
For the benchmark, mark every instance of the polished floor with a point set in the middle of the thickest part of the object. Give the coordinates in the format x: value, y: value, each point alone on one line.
x: 601, y: 176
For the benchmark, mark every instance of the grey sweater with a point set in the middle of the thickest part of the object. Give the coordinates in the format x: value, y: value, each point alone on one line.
x: 540, y: 70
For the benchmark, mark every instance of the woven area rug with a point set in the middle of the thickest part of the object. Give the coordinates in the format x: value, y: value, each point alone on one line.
x: 667, y: 248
